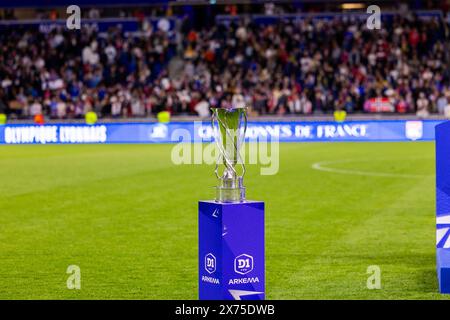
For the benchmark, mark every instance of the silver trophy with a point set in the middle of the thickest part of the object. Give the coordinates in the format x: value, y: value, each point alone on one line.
x: 229, y: 126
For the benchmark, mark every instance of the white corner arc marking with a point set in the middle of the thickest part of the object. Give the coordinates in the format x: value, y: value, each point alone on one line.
x: 324, y: 166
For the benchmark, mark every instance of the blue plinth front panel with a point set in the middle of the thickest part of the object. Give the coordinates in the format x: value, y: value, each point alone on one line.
x: 231, y: 251
x: 443, y: 206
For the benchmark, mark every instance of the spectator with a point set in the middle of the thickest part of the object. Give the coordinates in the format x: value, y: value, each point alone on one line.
x: 441, y: 103
x: 300, y: 66
x: 422, y: 106
x: 35, y: 108
x: 447, y: 109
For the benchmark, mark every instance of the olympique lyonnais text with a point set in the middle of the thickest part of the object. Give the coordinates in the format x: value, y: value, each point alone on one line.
x: 55, y: 134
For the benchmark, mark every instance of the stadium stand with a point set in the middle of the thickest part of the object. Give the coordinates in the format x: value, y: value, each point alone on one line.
x: 301, y: 66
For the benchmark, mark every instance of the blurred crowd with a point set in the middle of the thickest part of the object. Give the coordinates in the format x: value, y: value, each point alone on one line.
x: 301, y: 67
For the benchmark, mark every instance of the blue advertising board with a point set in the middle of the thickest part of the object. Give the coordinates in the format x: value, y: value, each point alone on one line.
x: 174, y: 132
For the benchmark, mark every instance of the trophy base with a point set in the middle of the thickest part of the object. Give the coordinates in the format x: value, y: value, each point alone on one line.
x: 231, y: 251
x: 230, y: 195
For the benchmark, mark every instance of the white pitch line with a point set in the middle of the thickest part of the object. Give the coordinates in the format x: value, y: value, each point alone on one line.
x: 322, y: 166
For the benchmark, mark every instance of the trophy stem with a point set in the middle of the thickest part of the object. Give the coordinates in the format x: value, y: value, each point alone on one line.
x: 231, y: 190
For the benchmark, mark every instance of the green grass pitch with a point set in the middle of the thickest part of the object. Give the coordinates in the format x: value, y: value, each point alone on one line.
x: 128, y: 218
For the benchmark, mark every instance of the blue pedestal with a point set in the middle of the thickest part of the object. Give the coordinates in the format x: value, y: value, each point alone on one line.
x: 443, y: 206
x: 231, y: 251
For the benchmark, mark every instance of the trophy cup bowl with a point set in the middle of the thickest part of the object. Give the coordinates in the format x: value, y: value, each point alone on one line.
x: 229, y: 127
